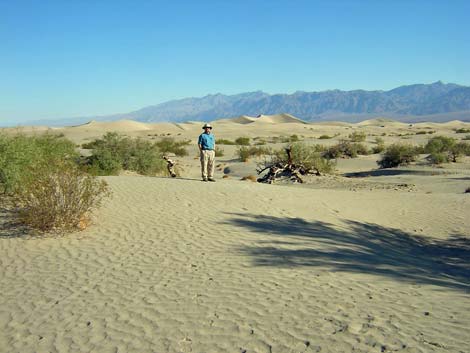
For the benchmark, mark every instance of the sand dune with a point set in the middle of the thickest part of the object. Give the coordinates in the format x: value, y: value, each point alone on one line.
x: 119, y: 126
x: 244, y: 119
x: 381, y: 122
x: 367, y: 260
x: 240, y: 120
x: 278, y: 119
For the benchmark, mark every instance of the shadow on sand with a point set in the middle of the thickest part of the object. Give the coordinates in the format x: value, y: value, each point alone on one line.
x: 9, y: 227
x: 392, y: 172
x: 359, y: 247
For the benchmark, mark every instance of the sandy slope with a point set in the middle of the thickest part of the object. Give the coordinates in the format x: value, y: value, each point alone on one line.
x: 176, y: 265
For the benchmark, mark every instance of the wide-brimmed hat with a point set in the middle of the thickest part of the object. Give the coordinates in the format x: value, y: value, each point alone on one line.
x: 207, y: 126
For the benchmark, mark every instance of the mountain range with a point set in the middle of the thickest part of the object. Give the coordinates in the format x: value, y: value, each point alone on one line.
x: 436, y: 102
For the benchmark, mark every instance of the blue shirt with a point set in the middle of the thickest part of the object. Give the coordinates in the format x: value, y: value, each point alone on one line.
x: 207, y: 141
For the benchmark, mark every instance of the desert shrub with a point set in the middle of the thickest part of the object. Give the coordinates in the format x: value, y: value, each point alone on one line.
x: 462, y: 131
x: 325, y: 137
x: 224, y: 142
x: 380, y: 145
x: 58, y: 196
x: 260, y: 142
x: 398, y: 154
x: 242, y: 141
x: 146, y: 158
x: 294, y: 138
x: 20, y: 153
x: 431, y: 132
x: 114, y: 152
x: 219, y: 152
x: 310, y: 156
x: 438, y: 158
x: 449, y: 146
x: 421, y: 133
x: 419, y: 149
x: 245, y: 153
x: 379, y: 141
x: 466, y: 138
x: 439, y: 144
x: 346, y: 149
x: 104, y: 162
x: 357, y: 136
x: 378, y: 148
x: 459, y: 149
x: 169, y: 145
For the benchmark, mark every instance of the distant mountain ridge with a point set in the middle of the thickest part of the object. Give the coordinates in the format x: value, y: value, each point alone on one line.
x: 400, y: 103
x: 437, y: 102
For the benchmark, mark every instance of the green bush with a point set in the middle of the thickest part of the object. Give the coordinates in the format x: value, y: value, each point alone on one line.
x: 439, y: 144
x: 346, y: 149
x: 357, y: 136
x: 325, y: 137
x: 104, y: 162
x: 459, y: 149
x: 219, y: 152
x: 20, y: 153
x: 242, y: 141
x: 398, y: 154
x: 245, y: 153
x: 462, y: 131
x: 224, y: 142
x: 380, y: 145
x: 448, y: 146
x: 438, y: 158
x: 58, y: 196
x: 169, y: 145
x: 310, y: 156
x: 114, y: 152
x: 466, y: 138
x: 421, y: 133
x: 294, y: 138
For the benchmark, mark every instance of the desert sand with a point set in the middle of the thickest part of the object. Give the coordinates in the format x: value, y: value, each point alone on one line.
x: 366, y: 260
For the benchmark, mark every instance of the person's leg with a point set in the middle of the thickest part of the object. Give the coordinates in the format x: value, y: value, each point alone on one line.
x: 203, y: 158
x: 211, y: 164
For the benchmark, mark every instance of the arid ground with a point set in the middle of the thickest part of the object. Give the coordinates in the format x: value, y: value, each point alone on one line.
x: 366, y: 260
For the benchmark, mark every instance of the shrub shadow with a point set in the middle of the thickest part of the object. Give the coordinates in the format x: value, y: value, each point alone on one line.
x: 391, y: 172
x: 359, y: 247
x: 9, y: 227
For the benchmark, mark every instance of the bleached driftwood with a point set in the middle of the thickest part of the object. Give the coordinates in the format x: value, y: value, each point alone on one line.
x: 170, y: 166
x: 286, y: 170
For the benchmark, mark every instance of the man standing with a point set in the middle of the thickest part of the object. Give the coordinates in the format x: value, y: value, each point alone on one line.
x: 206, y: 143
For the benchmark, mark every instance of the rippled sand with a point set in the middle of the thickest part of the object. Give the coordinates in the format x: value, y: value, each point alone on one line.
x: 177, y: 265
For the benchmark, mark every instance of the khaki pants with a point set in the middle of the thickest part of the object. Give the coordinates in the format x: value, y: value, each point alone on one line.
x: 207, y: 163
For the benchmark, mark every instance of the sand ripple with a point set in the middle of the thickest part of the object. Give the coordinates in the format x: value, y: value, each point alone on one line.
x: 179, y: 266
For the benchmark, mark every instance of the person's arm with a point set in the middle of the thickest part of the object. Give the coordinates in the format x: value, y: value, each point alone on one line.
x: 199, y: 143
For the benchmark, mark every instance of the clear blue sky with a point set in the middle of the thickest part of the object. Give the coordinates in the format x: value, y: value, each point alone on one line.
x: 73, y: 58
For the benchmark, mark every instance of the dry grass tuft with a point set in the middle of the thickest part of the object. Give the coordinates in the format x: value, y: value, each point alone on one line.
x: 250, y: 178
x: 59, y: 197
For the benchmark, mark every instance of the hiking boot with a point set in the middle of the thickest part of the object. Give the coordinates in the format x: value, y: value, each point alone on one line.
x: 211, y: 179
x: 204, y: 179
